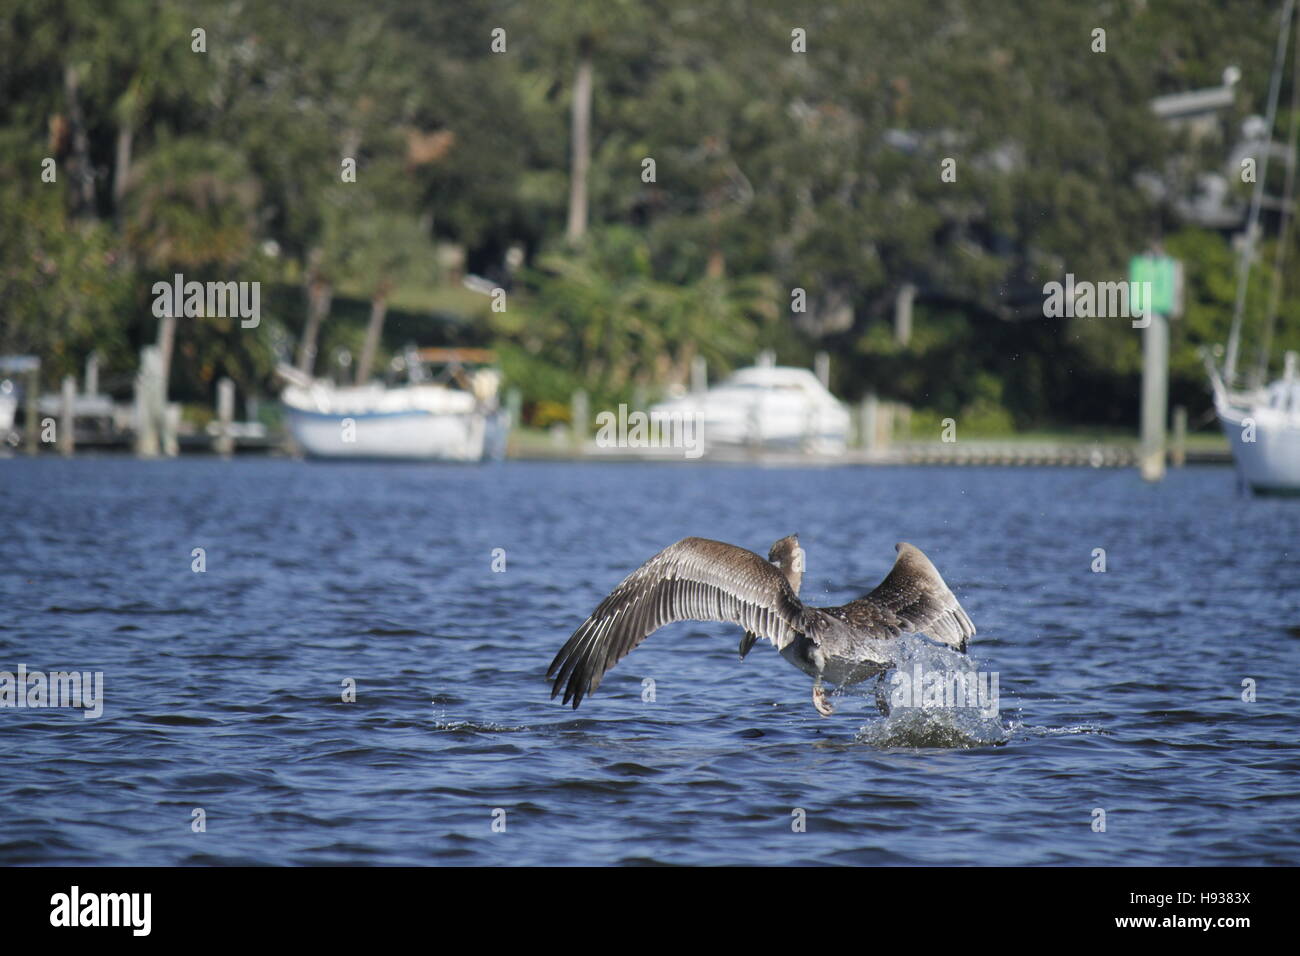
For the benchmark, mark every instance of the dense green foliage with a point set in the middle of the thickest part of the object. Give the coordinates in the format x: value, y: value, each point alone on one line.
x: 774, y: 171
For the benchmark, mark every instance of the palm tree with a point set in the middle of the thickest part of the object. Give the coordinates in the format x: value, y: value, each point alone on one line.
x: 192, y: 210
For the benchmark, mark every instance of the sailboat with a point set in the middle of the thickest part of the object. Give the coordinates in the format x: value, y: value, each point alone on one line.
x: 1263, y: 428
x: 451, y: 416
x: 1262, y: 422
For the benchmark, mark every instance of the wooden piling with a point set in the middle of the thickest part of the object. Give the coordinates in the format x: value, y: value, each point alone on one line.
x: 171, y: 426
x: 92, y: 374
x: 224, y: 441
x: 580, y: 415
x: 32, y: 428
x: 146, y: 415
x: 822, y: 368
x: 1155, y: 396
x: 67, y: 440
x: 1178, y: 454
x: 699, y: 375
x: 903, y: 313
x: 867, y: 423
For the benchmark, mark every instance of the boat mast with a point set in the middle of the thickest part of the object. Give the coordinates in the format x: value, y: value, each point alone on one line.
x: 1284, y: 227
x: 1246, y: 259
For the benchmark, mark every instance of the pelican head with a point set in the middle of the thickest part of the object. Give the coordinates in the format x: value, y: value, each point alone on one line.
x: 788, y: 557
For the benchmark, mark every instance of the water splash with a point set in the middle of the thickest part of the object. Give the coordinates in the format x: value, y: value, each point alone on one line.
x: 1028, y: 731
x: 947, y: 728
x: 442, y: 722
x: 935, y: 697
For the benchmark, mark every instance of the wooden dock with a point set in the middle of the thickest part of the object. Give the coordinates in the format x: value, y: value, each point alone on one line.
x: 1004, y: 453
x: 99, y: 436
x: 1063, y: 454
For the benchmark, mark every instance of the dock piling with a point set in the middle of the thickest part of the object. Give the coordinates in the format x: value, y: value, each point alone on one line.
x: 822, y: 368
x: 867, y: 422
x: 903, y: 313
x: 146, y: 412
x: 67, y: 440
x: 224, y: 442
x: 1155, y: 396
x: 580, y: 413
x: 1178, y: 453
x: 31, y: 430
x: 699, y: 375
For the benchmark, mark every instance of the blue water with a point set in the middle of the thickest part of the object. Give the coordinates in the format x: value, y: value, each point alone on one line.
x: 1119, y: 691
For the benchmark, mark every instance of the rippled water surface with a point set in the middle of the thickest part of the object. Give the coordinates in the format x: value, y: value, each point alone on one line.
x: 1119, y: 691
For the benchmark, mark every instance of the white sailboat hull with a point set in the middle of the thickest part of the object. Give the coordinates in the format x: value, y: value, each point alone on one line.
x: 8, y: 405
x: 416, y: 435
x: 1266, y: 446
x: 416, y: 422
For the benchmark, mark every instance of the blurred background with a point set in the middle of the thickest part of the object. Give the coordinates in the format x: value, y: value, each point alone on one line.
x: 505, y: 146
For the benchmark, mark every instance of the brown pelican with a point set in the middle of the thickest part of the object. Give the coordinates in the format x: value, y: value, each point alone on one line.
x: 697, y: 579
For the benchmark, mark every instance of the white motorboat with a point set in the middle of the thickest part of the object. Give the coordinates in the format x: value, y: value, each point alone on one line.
x: 772, y: 408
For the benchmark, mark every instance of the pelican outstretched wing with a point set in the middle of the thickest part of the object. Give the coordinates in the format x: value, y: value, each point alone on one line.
x: 695, y: 579
x: 913, y: 597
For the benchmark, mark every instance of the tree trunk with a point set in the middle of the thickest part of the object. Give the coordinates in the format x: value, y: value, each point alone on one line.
x: 319, y: 293
x: 83, y: 176
x: 580, y: 143
x: 716, y: 267
x: 122, y: 166
x: 374, y: 329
